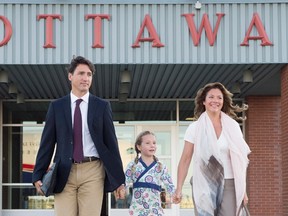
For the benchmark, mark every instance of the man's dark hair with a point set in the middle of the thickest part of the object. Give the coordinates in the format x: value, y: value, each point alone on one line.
x: 80, y: 60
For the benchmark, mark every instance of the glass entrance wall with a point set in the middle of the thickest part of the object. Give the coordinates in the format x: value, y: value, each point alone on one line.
x: 23, y: 125
x: 22, y: 129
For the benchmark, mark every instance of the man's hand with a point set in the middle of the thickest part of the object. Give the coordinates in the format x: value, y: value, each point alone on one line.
x: 38, y: 185
x: 120, y: 192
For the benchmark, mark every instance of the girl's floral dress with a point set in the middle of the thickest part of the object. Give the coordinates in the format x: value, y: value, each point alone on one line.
x: 147, y: 183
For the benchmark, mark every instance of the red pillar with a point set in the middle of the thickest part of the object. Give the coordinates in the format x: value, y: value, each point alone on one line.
x: 284, y: 135
x: 263, y: 134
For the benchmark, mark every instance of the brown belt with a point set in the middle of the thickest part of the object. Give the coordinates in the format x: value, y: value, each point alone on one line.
x: 86, y: 159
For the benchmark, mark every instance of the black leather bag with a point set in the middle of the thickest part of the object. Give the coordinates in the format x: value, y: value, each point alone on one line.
x: 49, y: 180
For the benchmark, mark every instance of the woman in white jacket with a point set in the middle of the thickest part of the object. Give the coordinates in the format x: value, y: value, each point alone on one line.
x: 219, y: 154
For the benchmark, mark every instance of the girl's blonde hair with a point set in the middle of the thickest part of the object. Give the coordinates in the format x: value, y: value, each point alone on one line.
x: 138, y: 143
x: 228, y: 107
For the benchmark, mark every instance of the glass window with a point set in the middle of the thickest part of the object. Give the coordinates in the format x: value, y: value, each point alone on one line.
x: 25, y: 197
x: 163, y: 143
x: 20, y: 146
x: 186, y: 110
x: 29, y: 111
x: 126, y: 139
x: 144, y: 111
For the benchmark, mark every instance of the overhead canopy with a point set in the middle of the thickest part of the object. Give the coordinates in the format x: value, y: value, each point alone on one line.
x: 152, y: 92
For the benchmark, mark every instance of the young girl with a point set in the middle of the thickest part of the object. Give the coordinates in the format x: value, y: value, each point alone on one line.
x: 147, y: 174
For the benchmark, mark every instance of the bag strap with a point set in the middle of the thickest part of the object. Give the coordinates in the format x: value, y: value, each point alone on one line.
x: 244, y: 208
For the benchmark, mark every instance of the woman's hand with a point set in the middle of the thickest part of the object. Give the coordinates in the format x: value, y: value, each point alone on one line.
x: 245, y: 200
x: 177, y: 196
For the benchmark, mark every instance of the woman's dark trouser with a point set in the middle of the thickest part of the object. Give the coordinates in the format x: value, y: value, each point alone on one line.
x: 228, y: 205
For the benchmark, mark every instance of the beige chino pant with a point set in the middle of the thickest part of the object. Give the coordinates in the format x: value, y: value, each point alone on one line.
x: 83, y: 193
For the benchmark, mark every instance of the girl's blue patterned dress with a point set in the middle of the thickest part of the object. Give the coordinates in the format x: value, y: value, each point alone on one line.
x: 147, y: 183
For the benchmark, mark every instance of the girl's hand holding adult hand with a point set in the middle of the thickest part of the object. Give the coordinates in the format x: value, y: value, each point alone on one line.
x: 177, y: 197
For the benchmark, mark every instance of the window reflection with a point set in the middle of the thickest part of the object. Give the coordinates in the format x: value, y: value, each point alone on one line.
x: 122, y: 203
x: 40, y: 202
x: 126, y: 138
x: 166, y: 199
x: 25, y: 197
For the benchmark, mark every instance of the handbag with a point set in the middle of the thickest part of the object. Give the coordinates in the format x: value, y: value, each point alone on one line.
x: 243, y: 210
x: 49, y: 180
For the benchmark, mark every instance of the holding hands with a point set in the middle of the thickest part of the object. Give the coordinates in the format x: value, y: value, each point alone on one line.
x: 120, y: 192
x: 177, y: 196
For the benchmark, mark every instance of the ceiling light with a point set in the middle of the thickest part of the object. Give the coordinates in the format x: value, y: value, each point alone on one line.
x: 124, y: 86
x: 20, y: 98
x: 236, y: 88
x: 12, y: 88
x: 3, y: 76
x: 125, y: 76
x: 247, y: 76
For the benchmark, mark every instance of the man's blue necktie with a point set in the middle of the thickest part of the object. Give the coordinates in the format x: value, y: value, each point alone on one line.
x: 77, y: 131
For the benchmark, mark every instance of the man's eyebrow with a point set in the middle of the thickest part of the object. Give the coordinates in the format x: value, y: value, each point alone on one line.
x: 85, y: 71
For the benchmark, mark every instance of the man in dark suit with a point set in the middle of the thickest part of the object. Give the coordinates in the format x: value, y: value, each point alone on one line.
x: 88, y: 159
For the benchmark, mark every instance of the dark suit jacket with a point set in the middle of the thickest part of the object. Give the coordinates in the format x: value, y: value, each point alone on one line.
x: 58, y: 133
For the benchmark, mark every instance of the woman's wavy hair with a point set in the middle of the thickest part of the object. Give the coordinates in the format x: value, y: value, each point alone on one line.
x: 228, y: 107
